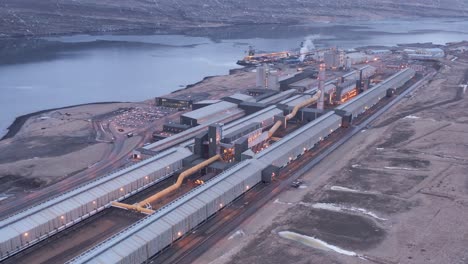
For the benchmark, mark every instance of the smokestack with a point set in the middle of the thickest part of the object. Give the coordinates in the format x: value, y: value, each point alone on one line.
x: 273, y: 82
x: 261, y: 76
x: 360, y: 88
x: 321, y: 78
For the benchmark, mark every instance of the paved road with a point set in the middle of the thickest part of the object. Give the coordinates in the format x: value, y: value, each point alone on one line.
x: 192, y: 246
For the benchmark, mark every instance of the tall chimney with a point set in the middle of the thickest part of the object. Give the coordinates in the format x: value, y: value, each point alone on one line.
x: 261, y: 76
x: 321, y: 78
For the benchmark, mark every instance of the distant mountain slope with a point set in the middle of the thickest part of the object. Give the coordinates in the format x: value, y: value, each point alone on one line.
x: 43, y: 17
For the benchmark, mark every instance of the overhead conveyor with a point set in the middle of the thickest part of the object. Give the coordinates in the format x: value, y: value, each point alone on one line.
x: 145, y: 205
x: 293, y: 113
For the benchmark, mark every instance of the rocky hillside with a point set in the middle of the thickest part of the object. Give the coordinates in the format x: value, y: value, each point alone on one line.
x: 44, y: 17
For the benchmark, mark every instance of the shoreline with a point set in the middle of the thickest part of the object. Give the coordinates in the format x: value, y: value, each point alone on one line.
x: 194, y: 84
x: 19, y: 121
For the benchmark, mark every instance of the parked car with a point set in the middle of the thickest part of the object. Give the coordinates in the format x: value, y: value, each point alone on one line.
x: 296, y: 183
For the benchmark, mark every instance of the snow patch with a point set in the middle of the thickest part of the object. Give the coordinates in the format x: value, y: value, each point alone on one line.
x: 277, y: 201
x: 5, y: 196
x: 315, y: 243
x: 400, y: 168
x: 340, y: 208
x: 411, y: 117
x: 379, y: 149
x: 345, y: 189
x: 238, y: 233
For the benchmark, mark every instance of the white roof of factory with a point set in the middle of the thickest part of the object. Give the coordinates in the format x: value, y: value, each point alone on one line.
x: 305, y: 82
x: 277, y: 96
x: 210, y: 110
x: 357, y: 55
x: 256, y: 117
x: 87, y: 193
x: 297, y: 99
x: 287, y: 76
x: 186, y: 137
x: 355, y: 103
x: 208, y: 102
x: 226, y: 116
x: 242, y: 97
x: 173, y: 212
x: 298, y: 136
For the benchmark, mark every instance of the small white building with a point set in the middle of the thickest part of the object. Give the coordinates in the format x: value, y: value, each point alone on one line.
x: 358, y: 57
x: 421, y: 53
x: 379, y: 52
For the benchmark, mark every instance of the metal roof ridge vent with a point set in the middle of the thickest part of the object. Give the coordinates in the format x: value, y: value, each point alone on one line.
x: 159, y: 213
x: 293, y: 134
x: 82, y: 188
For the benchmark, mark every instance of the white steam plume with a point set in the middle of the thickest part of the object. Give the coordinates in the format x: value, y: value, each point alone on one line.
x: 307, y: 46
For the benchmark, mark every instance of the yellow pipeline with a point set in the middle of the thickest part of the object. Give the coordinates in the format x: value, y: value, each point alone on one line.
x: 133, y: 207
x: 140, y: 207
x: 303, y: 104
x: 180, y: 179
x: 274, y: 128
x: 293, y: 113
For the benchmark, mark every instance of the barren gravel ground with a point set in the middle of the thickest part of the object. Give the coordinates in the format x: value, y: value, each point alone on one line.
x: 62, y: 143
x: 406, y: 199
x: 45, y: 17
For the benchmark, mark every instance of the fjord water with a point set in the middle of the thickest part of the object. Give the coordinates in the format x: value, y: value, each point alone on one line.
x: 43, y: 73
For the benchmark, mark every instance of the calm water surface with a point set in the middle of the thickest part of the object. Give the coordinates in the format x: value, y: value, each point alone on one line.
x: 54, y: 72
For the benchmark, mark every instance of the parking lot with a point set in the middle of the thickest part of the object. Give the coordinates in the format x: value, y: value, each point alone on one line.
x: 137, y: 117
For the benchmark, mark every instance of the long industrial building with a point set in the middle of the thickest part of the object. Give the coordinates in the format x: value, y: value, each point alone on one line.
x: 152, y: 234
x: 39, y: 222
x: 147, y: 237
x: 370, y: 97
x: 159, y: 230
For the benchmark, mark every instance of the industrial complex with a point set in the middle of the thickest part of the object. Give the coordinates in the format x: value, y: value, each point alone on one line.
x: 221, y: 149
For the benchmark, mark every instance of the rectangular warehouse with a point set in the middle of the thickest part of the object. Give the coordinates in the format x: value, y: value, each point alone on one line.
x: 277, y: 97
x: 39, y: 222
x: 206, y: 114
x: 370, y: 97
x: 265, y: 117
x: 159, y: 230
x: 298, y: 99
x: 280, y: 153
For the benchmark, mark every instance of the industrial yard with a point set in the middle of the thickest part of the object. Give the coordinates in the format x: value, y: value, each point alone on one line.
x: 395, y: 193
x: 343, y: 155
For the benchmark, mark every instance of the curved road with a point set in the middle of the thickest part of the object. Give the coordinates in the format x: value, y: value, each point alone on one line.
x: 113, y: 159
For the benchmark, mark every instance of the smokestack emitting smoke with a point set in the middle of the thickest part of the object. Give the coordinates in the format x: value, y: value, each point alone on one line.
x: 307, y: 46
